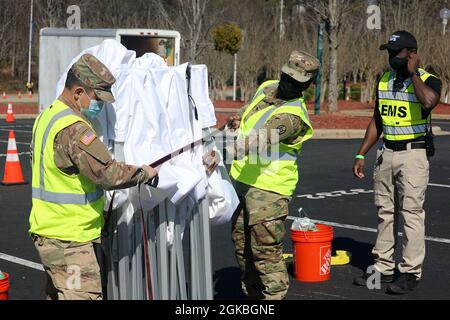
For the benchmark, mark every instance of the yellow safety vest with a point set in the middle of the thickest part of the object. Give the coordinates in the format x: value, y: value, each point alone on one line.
x: 65, y: 207
x: 276, y: 171
x: 402, y: 114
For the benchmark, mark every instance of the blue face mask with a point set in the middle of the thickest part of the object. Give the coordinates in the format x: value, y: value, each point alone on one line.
x: 94, y: 109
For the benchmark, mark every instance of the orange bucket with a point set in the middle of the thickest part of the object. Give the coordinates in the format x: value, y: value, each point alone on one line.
x: 4, y: 287
x: 312, y: 254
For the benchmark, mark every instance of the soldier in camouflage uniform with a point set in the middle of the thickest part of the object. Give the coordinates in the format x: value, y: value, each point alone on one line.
x: 259, y: 227
x: 72, y: 268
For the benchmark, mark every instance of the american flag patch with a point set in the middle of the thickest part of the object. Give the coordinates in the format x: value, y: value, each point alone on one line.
x: 88, y: 137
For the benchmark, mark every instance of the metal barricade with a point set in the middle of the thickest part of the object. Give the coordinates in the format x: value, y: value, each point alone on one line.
x: 141, y: 265
x: 181, y: 271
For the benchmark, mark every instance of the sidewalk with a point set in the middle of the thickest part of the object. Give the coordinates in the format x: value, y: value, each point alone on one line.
x: 349, y: 123
x: 13, y: 97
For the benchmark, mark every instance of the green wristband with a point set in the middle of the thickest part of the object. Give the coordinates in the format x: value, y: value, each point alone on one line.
x: 360, y: 156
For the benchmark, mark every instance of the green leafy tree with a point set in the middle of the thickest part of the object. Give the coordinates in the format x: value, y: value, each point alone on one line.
x: 227, y: 38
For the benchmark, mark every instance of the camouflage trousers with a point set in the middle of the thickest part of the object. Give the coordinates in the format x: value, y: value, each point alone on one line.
x: 258, y: 233
x: 73, y: 272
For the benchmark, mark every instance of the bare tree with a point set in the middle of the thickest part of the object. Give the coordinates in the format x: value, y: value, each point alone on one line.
x: 191, y: 18
x: 220, y: 67
x: 351, y: 49
x: 333, y: 12
x: 50, y: 13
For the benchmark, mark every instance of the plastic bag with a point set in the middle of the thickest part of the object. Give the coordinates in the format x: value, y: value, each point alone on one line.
x: 303, y: 224
x: 223, y: 199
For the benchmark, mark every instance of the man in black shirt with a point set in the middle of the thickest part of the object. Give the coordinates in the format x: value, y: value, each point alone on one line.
x: 406, y: 96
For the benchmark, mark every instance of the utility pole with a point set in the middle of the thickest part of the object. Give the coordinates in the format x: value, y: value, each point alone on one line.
x: 319, y: 74
x: 30, y: 42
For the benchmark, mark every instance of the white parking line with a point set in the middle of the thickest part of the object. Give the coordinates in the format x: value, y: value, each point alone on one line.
x: 439, y: 185
x: 18, y: 126
x: 23, y: 262
x: 20, y: 154
x: 352, y: 227
x: 352, y: 192
x: 19, y: 131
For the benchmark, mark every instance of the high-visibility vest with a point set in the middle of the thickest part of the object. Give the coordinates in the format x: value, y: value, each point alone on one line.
x: 402, y: 113
x: 65, y: 207
x: 276, y: 170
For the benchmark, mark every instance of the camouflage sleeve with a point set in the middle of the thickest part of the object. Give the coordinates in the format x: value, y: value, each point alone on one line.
x: 242, y: 110
x: 284, y: 127
x: 78, y: 150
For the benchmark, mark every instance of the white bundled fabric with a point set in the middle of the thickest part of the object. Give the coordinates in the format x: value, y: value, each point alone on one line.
x: 200, y: 94
x: 152, y: 117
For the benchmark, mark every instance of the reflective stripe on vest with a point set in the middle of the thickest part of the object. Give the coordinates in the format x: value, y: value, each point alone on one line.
x: 60, y: 198
x: 405, y: 130
x: 398, y: 96
x: 277, y: 156
x: 272, y: 84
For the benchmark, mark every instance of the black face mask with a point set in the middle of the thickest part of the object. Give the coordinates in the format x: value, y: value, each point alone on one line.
x: 290, y: 89
x: 398, y: 64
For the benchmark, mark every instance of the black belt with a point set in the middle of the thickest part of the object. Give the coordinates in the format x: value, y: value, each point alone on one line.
x: 402, y: 146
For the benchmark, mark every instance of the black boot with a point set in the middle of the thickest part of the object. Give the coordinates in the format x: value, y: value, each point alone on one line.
x: 405, y: 283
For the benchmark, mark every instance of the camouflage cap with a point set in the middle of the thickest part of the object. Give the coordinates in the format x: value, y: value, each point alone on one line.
x: 301, y: 66
x: 94, y: 74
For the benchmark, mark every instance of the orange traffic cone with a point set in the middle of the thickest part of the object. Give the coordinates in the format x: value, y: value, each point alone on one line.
x: 30, y: 95
x: 13, y: 169
x: 4, y: 95
x: 10, y: 114
x: 19, y: 95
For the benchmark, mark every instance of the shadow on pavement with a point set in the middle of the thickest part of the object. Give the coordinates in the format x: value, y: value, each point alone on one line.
x: 227, y: 284
x: 361, y: 251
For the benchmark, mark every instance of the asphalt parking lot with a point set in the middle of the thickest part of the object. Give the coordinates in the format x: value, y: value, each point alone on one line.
x: 327, y: 191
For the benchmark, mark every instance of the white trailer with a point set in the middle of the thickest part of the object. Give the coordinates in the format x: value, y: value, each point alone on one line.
x: 58, y: 47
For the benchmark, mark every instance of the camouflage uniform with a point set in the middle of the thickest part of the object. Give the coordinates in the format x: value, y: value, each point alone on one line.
x: 258, y: 233
x: 73, y: 272
x: 259, y: 227
x: 64, y: 261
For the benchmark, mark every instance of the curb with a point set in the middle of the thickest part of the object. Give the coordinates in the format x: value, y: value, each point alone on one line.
x: 345, y: 134
x: 337, y: 134
x: 21, y: 116
x: 436, y: 116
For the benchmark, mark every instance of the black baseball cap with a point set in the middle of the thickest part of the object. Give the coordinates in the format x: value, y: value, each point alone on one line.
x: 399, y: 40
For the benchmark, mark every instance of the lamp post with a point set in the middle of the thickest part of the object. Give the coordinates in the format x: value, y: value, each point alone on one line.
x: 235, y: 77
x: 319, y: 74
x: 30, y: 42
x: 445, y: 16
